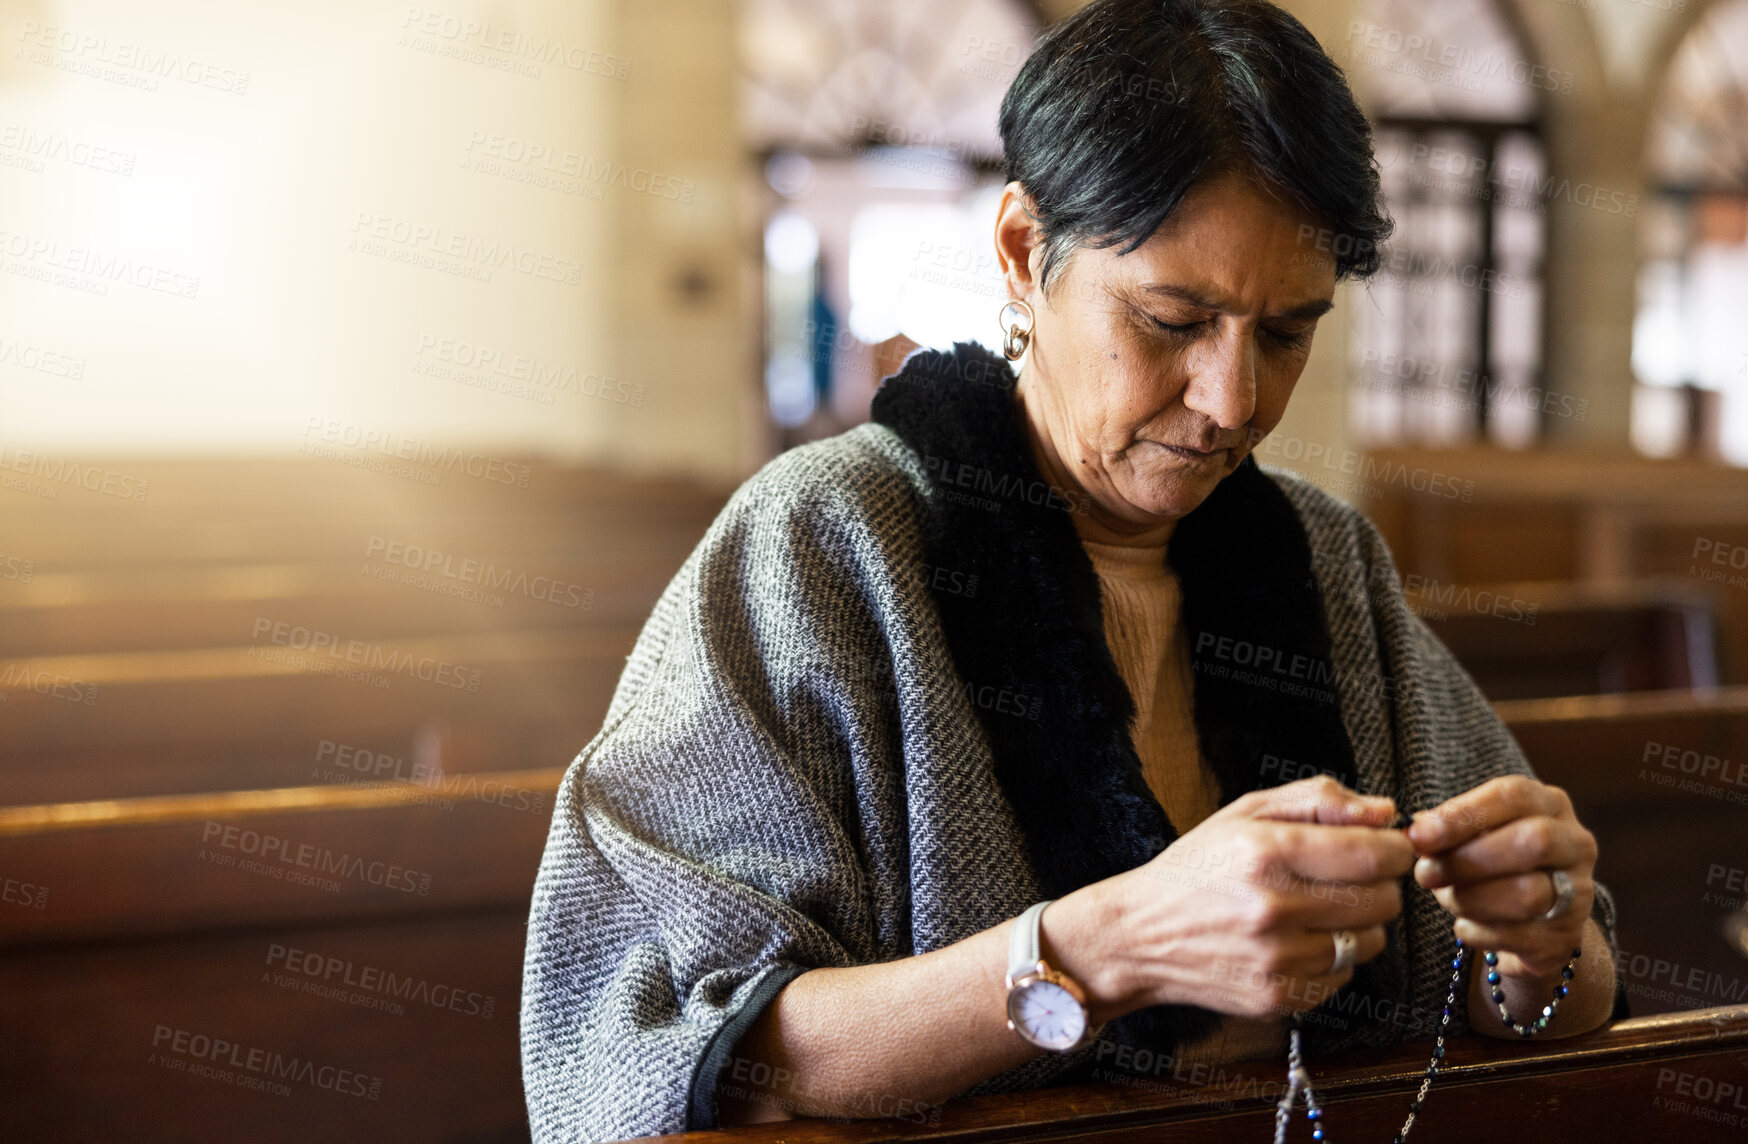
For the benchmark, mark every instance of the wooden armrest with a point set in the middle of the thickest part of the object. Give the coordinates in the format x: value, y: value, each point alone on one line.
x: 1674, y: 1076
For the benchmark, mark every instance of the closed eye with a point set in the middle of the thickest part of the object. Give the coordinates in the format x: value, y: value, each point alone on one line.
x: 1184, y: 332
x: 1188, y: 331
x: 1288, y: 339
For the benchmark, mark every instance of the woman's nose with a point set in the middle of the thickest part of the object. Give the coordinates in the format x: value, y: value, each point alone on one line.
x: 1222, y: 388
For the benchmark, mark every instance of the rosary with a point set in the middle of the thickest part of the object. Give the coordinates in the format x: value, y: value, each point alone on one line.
x: 1299, y: 1077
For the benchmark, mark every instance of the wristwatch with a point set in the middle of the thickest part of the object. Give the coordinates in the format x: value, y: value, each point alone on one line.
x: 1045, y: 1005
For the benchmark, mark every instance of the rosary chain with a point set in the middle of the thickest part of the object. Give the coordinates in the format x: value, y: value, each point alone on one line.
x: 1299, y: 1077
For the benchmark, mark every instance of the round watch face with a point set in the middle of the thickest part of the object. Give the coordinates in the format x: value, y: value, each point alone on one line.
x: 1048, y: 1015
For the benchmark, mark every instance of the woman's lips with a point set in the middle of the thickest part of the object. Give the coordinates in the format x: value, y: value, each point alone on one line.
x: 1190, y: 454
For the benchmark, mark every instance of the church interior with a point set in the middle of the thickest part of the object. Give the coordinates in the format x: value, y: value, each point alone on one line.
x: 367, y: 372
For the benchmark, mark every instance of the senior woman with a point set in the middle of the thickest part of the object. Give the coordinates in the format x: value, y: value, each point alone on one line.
x: 1057, y: 639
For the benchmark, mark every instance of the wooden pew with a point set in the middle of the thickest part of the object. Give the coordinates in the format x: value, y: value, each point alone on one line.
x: 1592, y: 518
x: 300, y: 543
x: 1537, y: 515
x: 173, y: 863
x: 374, y: 934
x: 89, y: 1045
x: 1706, y: 548
x: 306, y: 756
x: 140, y: 932
x: 150, y: 706
x: 1549, y: 638
x: 1662, y: 780
x: 191, y: 606
x: 255, y: 509
x: 127, y: 953
x: 132, y: 655
x: 1634, y: 1080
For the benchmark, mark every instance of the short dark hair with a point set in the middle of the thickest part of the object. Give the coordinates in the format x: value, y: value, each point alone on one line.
x: 1128, y: 104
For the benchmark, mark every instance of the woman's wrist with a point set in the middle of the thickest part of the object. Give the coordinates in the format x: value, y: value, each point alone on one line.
x: 1081, y: 935
x: 1589, y: 1001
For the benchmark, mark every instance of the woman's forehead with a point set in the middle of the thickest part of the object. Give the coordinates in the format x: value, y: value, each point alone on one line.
x: 1249, y: 271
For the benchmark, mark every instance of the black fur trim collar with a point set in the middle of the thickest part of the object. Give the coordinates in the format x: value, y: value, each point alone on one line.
x: 1030, y: 644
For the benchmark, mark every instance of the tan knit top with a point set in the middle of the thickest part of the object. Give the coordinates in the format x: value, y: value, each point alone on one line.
x: 1141, y: 601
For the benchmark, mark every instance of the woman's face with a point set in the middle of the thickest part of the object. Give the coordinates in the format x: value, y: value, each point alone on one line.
x: 1151, y: 375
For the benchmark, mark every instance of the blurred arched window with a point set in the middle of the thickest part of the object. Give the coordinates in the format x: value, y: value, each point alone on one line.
x: 875, y: 124
x: 1448, y: 337
x: 1690, y: 339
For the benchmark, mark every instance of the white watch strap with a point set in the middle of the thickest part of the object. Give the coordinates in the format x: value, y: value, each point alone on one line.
x: 1025, y: 940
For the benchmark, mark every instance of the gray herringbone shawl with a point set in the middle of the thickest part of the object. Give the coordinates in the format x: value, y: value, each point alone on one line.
x: 790, y: 776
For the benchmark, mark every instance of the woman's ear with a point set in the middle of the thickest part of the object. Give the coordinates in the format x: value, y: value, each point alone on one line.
x: 1019, y: 242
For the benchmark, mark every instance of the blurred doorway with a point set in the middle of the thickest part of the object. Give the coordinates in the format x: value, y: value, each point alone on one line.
x: 1690, y: 344
x: 879, y: 170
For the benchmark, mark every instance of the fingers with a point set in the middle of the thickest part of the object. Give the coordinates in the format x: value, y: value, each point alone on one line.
x: 1320, y: 799
x: 1323, y: 904
x: 1344, y: 853
x: 1264, y: 897
x: 1315, y: 949
x: 1339, y: 905
x: 1290, y: 974
x: 1324, y: 877
x: 1519, y: 847
x: 1510, y: 900
x: 1487, y: 807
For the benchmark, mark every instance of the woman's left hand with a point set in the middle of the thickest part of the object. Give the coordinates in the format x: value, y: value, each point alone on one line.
x: 1488, y: 856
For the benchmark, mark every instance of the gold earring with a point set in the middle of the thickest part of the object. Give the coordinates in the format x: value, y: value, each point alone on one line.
x: 1015, y: 337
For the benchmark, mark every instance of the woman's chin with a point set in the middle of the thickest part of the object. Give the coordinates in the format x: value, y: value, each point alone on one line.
x: 1162, y: 509
x: 1178, y: 491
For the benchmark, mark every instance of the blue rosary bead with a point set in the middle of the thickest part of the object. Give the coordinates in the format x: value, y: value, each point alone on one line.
x: 1493, y: 977
x: 1492, y: 958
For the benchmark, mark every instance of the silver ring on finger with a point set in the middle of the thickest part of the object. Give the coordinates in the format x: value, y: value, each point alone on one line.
x: 1346, y: 946
x: 1563, y: 895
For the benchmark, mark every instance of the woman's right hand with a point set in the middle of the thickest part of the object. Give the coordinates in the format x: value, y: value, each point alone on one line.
x: 1238, y: 915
